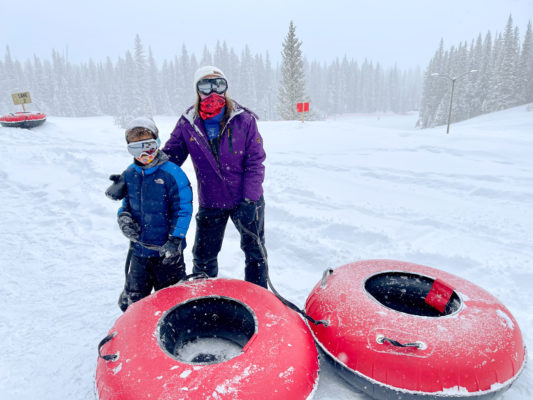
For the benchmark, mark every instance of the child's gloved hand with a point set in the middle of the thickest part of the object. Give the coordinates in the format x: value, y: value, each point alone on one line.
x: 117, y: 190
x: 129, y: 227
x: 171, y: 250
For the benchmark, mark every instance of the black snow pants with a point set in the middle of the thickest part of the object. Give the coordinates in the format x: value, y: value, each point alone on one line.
x: 145, y: 274
x: 249, y: 219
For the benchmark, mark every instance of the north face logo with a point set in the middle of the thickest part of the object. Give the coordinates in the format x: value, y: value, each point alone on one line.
x: 160, y: 181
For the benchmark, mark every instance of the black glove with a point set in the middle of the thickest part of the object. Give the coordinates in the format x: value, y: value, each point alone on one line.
x: 129, y: 227
x: 247, y: 210
x: 171, y: 250
x: 123, y: 301
x: 117, y: 190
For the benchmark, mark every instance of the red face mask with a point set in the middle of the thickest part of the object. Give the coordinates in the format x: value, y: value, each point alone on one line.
x: 212, y: 105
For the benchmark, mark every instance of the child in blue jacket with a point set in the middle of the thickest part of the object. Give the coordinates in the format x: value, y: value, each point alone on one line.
x: 155, y: 214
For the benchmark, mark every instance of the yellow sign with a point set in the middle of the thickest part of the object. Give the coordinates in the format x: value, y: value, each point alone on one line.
x: 21, y: 98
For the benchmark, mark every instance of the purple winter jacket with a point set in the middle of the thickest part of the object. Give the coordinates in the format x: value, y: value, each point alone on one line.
x: 238, y: 174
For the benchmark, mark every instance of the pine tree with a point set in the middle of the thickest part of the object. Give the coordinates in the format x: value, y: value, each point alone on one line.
x: 128, y: 106
x: 206, y: 57
x: 493, y: 100
x: 108, y: 88
x: 292, y: 85
x: 525, y: 71
x: 352, y: 76
x: 486, y: 71
x: 268, y: 99
x: 221, y: 59
x: 232, y: 73
x: 165, y: 78
x: 9, y: 77
x: 462, y: 102
x: 508, y: 67
x: 476, y: 80
x: 433, y: 89
x: 90, y: 92
x: 39, y: 90
x: 154, y: 86
x: 184, y: 93
x: 142, y: 106
x: 245, y: 84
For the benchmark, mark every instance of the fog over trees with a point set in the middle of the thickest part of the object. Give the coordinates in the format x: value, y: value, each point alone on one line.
x: 137, y: 83
x: 501, y: 77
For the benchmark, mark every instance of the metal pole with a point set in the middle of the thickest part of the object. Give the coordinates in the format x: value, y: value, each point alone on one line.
x: 450, y: 110
x: 451, y: 95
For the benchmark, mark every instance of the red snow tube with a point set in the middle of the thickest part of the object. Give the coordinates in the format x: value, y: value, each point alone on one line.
x: 208, y: 339
x: 23, y: 120
x: 401, y: 330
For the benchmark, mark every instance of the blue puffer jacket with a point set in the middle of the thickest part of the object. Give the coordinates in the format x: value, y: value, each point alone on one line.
x: 160, y: 199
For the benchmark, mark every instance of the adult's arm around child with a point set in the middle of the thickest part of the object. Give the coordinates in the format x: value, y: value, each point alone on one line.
x: 176, y: 147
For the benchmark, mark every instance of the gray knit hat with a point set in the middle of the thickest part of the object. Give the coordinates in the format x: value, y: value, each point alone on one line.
x: 142, y: 122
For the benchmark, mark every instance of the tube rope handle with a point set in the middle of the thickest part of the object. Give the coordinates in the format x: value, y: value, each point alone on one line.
x: 325, y: 275
x: 107, y: 357
x: 418, y: 345
x: 147, y: 245
x: 288, y: 303
x: 294, y: 307
x: 195, y: 275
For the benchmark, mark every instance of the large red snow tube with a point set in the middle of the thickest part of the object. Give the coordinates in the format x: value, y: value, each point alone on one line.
x: 401, y: 330
x: 208, y: 339
x: 23, y: 120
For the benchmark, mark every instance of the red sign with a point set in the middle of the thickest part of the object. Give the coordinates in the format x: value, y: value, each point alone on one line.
x: 301, y: 107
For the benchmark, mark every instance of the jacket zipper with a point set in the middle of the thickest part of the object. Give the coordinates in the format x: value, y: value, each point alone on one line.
x: 230, y: 138
x: 142, y: 201
x: 217, y: 159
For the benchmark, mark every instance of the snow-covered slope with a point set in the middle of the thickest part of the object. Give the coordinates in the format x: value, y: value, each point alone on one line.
x: 337, y: 191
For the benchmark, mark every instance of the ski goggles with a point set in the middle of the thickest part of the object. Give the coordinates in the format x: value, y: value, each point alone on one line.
x: 209, y: 85
x: 144, y: 147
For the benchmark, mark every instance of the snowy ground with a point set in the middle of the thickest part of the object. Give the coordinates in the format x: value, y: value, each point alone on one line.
x: 337, y: 191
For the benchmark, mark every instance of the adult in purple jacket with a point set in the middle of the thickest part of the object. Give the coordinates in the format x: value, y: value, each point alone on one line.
x: 226, y: 149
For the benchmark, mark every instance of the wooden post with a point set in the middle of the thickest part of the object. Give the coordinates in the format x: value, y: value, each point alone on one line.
x: 303, y: 112
x: 23, y: 108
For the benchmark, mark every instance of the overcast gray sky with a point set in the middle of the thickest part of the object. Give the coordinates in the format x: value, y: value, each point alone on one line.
x: 406, y: 32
